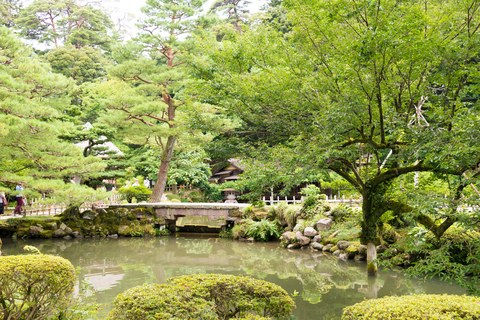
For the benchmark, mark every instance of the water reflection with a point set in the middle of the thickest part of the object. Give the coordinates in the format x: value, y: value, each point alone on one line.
x: 322, y: 284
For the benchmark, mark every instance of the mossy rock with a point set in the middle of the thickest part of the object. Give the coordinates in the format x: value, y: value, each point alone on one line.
x: 46, y: 234
x: 351, y: 251
x: 236, y: 213
x: 415, y: 307
x: 22, y: 232
x: 334, y: 248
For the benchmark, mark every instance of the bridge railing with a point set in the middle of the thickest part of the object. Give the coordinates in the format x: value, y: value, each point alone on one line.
x: 333, y: 200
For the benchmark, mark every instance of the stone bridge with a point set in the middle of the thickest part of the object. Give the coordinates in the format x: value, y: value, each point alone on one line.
x: 222, y: 213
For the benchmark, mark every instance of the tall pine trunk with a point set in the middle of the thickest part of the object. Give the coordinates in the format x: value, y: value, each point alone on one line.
x: 167, y: 154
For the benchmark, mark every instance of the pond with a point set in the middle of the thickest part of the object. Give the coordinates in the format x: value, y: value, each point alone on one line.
x: 322, y: 285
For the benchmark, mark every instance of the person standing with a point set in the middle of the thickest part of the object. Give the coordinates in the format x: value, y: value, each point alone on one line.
x: 19, y: 197
x: 3, y: 203
x: 146, y: 183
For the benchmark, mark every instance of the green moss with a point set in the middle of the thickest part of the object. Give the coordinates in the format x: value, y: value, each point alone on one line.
x: 352, y: 249
x: 47, y: 234
x: 23, y: 232
x: 334, y: 248
x: 371, y: 268
x: 412, y: 307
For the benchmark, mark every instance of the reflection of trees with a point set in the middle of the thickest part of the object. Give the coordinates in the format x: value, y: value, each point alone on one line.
x: 197, y: 247
x: 325, y: 285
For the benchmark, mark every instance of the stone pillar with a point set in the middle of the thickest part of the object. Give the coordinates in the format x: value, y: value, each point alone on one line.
x: 171, y: 225
x: 371, y: 256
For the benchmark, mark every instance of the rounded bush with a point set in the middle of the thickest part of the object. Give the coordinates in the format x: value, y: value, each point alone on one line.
x: 210, y: 296
x: 34, y: 286
x: 239, y: 296
x: 162, y: 302
x: 423, y: 306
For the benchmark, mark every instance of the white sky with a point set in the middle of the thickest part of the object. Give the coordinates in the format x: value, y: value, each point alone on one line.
x: 132, y: 9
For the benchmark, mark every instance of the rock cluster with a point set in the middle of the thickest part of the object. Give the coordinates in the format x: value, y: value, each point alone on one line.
x: 310, y: 238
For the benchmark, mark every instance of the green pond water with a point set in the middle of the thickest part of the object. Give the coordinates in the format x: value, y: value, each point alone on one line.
x: 322, y: 284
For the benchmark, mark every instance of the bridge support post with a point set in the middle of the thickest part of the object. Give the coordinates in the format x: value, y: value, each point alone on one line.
x: 171, y: 225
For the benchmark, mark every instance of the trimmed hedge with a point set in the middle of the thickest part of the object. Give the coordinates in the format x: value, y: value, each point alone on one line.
x: 240, y: 296
x: 423, y: 306
x: 162, y: 302
x: 208, y: 296
x: 34, y: 286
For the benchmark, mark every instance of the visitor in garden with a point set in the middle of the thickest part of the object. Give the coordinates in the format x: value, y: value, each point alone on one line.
x: 20, y: 201
x: 146, y: 183
x: 3, y: 203
x: 136, y: 184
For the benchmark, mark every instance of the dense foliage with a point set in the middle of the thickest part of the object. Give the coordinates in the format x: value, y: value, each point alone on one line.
x: 415, y: 307
x: 211, y: 296
x: 34, y: 286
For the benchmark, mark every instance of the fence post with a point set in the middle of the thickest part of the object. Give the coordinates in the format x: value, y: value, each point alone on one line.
x: 293, y: 200
x: 351, y: 202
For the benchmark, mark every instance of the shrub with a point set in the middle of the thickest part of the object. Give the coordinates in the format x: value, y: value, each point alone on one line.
x: 262, y: 230
x: 34, y: 286
x: 341, y: 212
x: 141, y: 193
x: 422, y: 306
x: 458, y: 240
x: 161, y: 302
x: 239, y: 230
x: 173, y: 197
x: 210, y: 296
x: 239, y: 296
x: 314, y: 205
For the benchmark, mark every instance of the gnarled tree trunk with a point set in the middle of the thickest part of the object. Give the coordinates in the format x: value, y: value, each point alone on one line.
x: 167, y: 154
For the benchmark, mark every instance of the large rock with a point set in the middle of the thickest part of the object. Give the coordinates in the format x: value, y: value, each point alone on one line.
x: 310, y: 232
x: 317, y: 246
x: 63, y: 226
x: 59, y: 233
x: 113, y: 236
x: 34, y: 230
x: 294, y: 246
x: 89, y: 215
x: 302, y: 240
x: 122, y: 229
x: 68, y: 231
x: 317, y: 238
x: 288, y: 237
x: 54, y: 226
x: 381, y: 248
x: 342, y: 245
x: 67, y: 237
x: 324, y: 224
x: 298, y: 225
x: 76, y: 234
x: 362, y: 249
x: 336, y: 253
x: 327, y: 248
x: 351, y: 251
